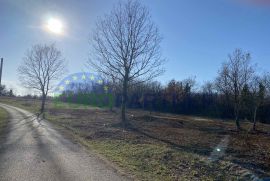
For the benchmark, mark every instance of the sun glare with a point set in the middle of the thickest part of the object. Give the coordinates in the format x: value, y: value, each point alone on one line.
x: 55, y: 26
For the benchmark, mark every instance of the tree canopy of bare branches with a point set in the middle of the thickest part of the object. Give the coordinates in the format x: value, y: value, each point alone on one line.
x: 41, y: 65
x: 233, y: 76
x: 126, y: 47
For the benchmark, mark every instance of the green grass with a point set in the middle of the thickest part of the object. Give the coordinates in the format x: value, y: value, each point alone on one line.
x: 33, y: 105
x: 159, y: 162
x: 142, y: 160
x: 27, y: 104
x: 3, y: 121
x: 150, y: 160
x: 64, y: 105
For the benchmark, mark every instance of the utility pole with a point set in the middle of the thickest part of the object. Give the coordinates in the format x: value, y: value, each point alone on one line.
x: 1, y: 68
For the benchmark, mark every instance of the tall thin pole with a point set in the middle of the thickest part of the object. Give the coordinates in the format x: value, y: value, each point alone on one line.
x: 1, y: 68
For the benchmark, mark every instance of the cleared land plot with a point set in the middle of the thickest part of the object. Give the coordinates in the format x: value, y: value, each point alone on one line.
x: 166, y: 146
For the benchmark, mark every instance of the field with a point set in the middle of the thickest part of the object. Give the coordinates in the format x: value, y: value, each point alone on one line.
x: 161, y: 146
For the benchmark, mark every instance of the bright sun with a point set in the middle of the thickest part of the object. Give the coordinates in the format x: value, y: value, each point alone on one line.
x: 55, y: 26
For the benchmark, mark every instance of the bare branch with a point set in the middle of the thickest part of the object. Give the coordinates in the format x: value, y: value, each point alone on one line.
x: 41, y: 65
x: 126, y: 45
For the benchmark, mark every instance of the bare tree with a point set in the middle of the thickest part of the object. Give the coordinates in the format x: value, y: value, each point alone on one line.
x: 233, y: 76
x: 266, y: 82
x: 258, y: 91
x: 208, y: 88
x: 41, y: 65
x: 126, y: 47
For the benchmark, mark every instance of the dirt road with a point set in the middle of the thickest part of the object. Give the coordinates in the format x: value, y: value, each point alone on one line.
x: 34, y: 151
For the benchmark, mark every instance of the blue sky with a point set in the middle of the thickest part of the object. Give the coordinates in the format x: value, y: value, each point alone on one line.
x: 197, y: 34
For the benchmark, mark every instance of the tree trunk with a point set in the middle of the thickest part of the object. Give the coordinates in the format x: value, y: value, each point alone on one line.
x: 237, y: 123
x: 236, y: 114
x: 143, y: 101
x: 43, y: 103
x: 254, y: 119
x: 124, y: 102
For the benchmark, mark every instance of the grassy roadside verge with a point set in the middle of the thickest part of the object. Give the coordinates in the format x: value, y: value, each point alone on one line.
x: 150, y: 160
x: 136, y: 154
x: 3, y: 121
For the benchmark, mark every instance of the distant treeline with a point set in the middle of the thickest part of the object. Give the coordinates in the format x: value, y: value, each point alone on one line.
x: 5, y: 92
x: 180, y: 97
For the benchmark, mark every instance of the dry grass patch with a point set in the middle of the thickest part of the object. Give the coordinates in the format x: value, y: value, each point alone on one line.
x: 3, y: 122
